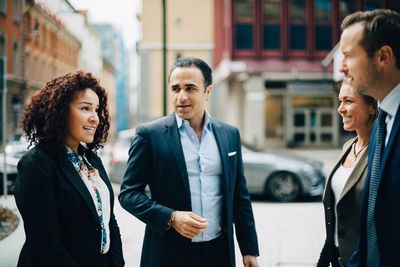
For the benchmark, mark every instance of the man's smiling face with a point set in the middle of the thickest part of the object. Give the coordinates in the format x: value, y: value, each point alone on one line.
x: 189, y: 95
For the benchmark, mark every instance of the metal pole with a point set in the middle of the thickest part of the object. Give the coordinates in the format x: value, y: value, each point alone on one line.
x: 4, y: 122
x: 164, y: 59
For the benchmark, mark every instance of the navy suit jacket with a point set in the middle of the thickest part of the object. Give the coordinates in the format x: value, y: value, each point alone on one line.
x: 387, y: 206
x: 60, y: 219
x: 156, y: 159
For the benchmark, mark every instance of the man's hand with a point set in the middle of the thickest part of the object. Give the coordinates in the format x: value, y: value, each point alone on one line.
x: 250, y: 261
x: 189, y: 224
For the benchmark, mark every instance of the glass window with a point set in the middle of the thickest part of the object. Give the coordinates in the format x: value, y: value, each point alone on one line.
x: 244, y: 9
x: 299, y: 120
x: 244, y: 28
x: 28, y: 66
x: 15, y: 59
x: 44, y: 70
x: 372, y: 4
x: 298, y: 32
x: 271, y: 24
x: 2, y: 46
x: 323, y: 27
x: 272, y: 36
x: 244, y: 36
x: 36, y: 66
x: 326, y: 120
x: 3, y: 6
x: 347, y: 7
x: 16, y: 10
x: 272, y: 9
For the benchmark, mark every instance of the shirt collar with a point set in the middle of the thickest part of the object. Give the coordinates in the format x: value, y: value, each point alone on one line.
x: 390, y: 103
x: 207, y: 120
x: 71, y: 152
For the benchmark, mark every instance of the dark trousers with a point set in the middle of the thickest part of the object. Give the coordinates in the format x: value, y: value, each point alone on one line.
x: 213, y: 253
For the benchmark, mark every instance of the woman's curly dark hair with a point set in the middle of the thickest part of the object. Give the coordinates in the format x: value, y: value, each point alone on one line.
x: 45, y: 119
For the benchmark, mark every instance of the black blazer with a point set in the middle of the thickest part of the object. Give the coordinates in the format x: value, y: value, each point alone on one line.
x: 387, y: 208
x: 60, y: 220
x: 156, y: 159
x: 348, y: 211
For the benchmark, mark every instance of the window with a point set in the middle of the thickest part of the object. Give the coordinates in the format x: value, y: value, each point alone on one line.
x: 28, y: 66
x: 16, y: 10
x: 44, y: 36
x: 2, y: 46
x: 27, y: 21
x: 372, y: 4
x: 323, y: 25
x: 44, y: 70
x: 298, y: 25
x: 15, y: 59
x: 36, y: 70
x: 271, y: 25
x: 347, y: 7
x: 244, y: 27
x: 3, y: 7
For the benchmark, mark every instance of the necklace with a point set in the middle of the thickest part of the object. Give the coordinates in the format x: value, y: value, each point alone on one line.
x: 354, y: 151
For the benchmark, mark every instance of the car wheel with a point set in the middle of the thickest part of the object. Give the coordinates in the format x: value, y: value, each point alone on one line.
x: 283, y: 187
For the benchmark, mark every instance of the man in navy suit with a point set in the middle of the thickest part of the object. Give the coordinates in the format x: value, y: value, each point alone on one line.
x: 193, y: 166
x: 370, y: 43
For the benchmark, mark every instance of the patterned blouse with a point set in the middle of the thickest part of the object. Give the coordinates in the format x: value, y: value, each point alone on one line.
x: 97, y: 189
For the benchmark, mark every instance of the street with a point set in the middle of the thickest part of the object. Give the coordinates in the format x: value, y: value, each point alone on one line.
x: 289, y: 234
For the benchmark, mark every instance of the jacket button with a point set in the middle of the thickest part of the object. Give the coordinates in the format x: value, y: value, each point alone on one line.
x: 328, y: 208
x: 96, y: 229
x: 329, y: 223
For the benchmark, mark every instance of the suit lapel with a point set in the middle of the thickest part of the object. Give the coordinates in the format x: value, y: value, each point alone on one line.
x: 174, y: 143
x: 356, y: 174
x: 223, y: 145
x: 327, y: 193
x: 393, y: 135
x: 73, y: 176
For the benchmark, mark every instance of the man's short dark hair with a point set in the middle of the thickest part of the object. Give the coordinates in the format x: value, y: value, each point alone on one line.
x: 381, y: 27
x: 187, y: 62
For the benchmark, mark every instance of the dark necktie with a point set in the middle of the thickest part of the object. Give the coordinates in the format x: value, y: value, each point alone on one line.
x: 373, y: 257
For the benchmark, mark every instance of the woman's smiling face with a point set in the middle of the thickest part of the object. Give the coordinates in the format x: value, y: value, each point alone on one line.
x: 82, y: 118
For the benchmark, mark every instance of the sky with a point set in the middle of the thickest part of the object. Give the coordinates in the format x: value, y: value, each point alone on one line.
x: 120, y: 13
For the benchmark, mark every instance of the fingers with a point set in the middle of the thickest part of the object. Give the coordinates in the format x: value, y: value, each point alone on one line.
x: 189, y: 224
x: 250, y: 261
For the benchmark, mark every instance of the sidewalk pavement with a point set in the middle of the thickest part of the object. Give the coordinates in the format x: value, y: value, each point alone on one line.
x: 12, y: 244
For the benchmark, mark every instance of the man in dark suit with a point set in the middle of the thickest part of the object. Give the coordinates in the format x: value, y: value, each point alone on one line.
x: 193, y: 166
x: 370, y: 43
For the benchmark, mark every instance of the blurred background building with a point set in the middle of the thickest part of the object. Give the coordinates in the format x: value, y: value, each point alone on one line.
x: 272, y: 63
x: 189, y: 28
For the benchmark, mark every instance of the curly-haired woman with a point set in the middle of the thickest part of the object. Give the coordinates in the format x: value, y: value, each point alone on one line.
x: 62, y: 190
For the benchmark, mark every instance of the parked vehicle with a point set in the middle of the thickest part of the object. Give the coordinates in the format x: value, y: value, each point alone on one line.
x: 279, y: 176
x: 15, y: 148
x: 119, y: 155
x: 282, y: 177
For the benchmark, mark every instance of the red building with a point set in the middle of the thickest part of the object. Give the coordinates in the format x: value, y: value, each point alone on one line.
x: 269, y: 79
x: 37, y: 47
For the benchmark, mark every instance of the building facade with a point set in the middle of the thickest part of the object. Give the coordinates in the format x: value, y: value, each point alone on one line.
x: 50, y: 50
x: 189, y: 32
x: 11, y: 50
x: 268, y: 70
x: 114, y: 52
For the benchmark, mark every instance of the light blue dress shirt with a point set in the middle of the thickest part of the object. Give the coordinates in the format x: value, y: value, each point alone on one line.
x: 204, y: 169
x: 390, y: 104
